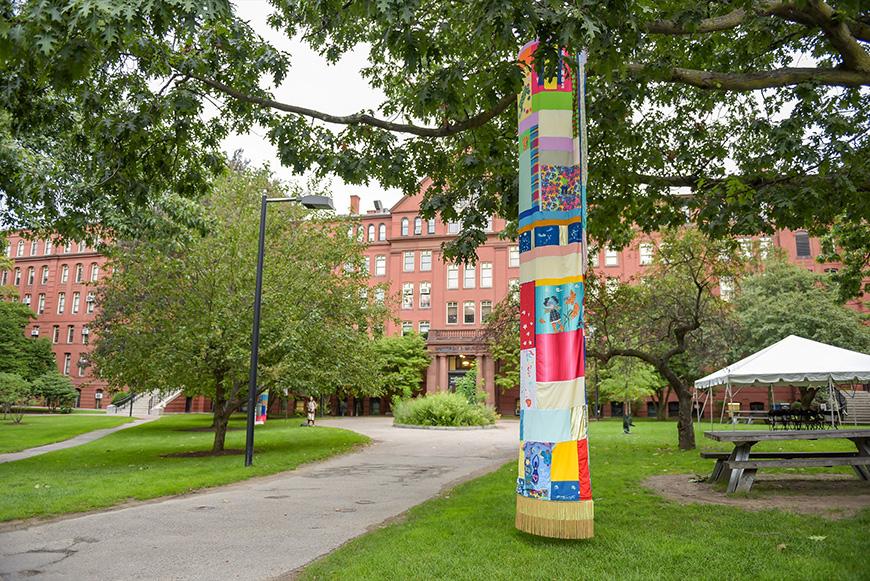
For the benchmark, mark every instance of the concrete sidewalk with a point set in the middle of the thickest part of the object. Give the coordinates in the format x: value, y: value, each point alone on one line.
x: 72, y: 442
x: 265, y: 527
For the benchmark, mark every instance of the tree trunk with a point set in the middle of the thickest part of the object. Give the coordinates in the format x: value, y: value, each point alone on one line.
x: 808, y: 394
x: 221, y: 419
x: 685, y: 423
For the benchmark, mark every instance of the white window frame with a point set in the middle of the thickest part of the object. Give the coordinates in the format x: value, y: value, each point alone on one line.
x: 465, y: 311
x: 645, y: 253
x: 382, y: 231
x: 55, y: 334
x: 469, y: 276
x: 489, y: 311
x: 611, y: 257
x: 31, y: 275
x: 407, y: 295
x: 34, y: 247
x: 70, y: 334
x: 514, y: 257
x: 40, y: 305
x: 421, y: 329
x: 67, y: 361
x: 407, y: 327
x: 380, y: 265
x: 425, y: 265
x: 61, y: 303
x: 19, y: 250
x: 430, y: 226
x: 453, y: 227
x: 486, y: 274
x: 408, y: 260
x: 405, y: 226
x: 426, y: 291
x: 452, y: 276
x: 447, y: 313
x: 76, y: 303
x: 64, y: 274
x: 371, y: 233
x: 44, y: 279
x: 80, y: 272
x: 418, y: 226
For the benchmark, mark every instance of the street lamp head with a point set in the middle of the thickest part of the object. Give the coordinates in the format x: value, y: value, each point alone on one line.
x: 317, y: 202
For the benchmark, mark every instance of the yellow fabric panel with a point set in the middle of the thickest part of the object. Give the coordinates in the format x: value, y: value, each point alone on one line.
x: 545, y: 267
x: 566, y: 463
x: 561, y: 394
x: 521, y: 468
x: 556, y: 122
x: 579, y: 422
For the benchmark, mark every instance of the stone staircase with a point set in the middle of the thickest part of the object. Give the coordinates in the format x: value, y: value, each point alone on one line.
x: 150, y: 403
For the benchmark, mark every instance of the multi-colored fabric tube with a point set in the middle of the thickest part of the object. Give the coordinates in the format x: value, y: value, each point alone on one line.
x: 554, y: 493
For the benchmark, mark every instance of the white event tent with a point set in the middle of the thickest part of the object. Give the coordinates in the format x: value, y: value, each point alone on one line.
x: 792, y: 361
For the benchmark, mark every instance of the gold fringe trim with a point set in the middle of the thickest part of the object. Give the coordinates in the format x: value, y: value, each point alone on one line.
x: 554, y: 518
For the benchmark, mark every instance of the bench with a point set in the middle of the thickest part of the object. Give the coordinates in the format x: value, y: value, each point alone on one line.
x: 750, y: 467
x: 740, y: 466
x: 722, y: 458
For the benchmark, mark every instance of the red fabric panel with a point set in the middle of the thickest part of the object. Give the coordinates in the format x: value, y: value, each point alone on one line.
x: 585, y: 481
x: 559, y: 356
x: 527, y: 315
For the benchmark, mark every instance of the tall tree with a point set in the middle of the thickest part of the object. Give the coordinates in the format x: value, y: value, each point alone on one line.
x: 20, y: 355
x: 502, y: 330
x: 402, y: 361
x: 628, y: 380
x: 179, y: 315
x: 785, y: 299
x: 756, y: 109
x: 667, y: 313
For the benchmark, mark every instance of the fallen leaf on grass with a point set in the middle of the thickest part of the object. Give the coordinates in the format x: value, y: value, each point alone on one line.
x: 817, y: 538
x: 781, y: 547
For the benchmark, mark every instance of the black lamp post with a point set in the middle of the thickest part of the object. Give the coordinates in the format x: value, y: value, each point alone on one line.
x: 313, y: 203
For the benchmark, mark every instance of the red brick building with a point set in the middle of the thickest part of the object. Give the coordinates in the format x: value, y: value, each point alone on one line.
x: 57, y: 281
x: 446, y: 303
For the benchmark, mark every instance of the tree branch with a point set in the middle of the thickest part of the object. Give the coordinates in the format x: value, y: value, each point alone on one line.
x: 752, y: 81
x: 726, y: 21
x: 838, y: 34
x: 365, y: 119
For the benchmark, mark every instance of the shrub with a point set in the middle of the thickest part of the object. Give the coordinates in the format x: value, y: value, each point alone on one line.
x: 467, y: 387
x: 14, y: 395
x: 443, y: 409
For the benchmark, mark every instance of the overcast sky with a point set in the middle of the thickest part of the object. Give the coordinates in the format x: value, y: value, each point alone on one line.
x: 313, y: 83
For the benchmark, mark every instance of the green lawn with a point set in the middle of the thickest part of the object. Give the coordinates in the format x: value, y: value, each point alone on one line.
x: 469, y: 534
x: 39, y: 430
x: 130, y: 465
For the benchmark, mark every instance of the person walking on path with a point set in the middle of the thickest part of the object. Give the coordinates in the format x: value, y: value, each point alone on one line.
x: 311, y: 408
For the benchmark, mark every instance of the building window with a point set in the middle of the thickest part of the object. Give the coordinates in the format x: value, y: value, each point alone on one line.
x: 453, y: 227
x: 95, y: 272
x: 67, y: 359
x: 745, y: 247
x: 488, y: 226
x: 408, y: 262
x: 34, y: 246
x: 86, y: 334
x: 408, y: 295
x: 70, y: 333
x: 425, y: 260
x: 61, y: 303
x: 593, y: 259
x: 407, y: 327
x: 756, y: 406
x: 611, y: 257
x: 49, y: 247
x: 452, y: 313
x: 452, y: 276
x: 55, y: 333
x: 82, y: 246
x: 67, y: 248
x: 4, y: 278
x: 27, y: 299
x: 81, y: 365
x: 764, y: 246
x: 367, y: 264
x: 20, y: 249
x: 470, y: 278
x: 514, y: 285
x: 646, y: 253
x: 430, y: 226
x: 34, y: 332
x: 425, y: 295
x: 485, y: 310
x: 379, y: 295
x: 802, y: 244
x: 17, y: 278
x: 424, y: 328
x: 44, y: 279
x: 31, y: 275
x: 726, y: 288
x: 468, y: 312
x: 76, y: 300
x: 418, y: 226
x: 514, y: 256
x: 380, y: 265
x: 485, y: 275
x: 382, y: 232
x: 404, y: 226
x: 40, y: 306
x: 9, y: 249
x: 64, y: 274
x: 371, y: 232
x: 79, y: 272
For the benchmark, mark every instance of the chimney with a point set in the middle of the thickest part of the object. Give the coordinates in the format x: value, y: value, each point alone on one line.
x: 354, y: 204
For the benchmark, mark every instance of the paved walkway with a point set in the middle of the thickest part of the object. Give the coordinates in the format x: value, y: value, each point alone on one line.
x: 265, y: 527
x: 72, y: 442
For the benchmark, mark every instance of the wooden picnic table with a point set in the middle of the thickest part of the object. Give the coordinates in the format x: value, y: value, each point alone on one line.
x: 741, y: 466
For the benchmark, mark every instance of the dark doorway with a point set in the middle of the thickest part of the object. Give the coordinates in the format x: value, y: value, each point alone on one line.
x: 375, y: 406
x: 673, y: 409
x: 651, y: 411
x: 616, y: 408
x: 188, y: 404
